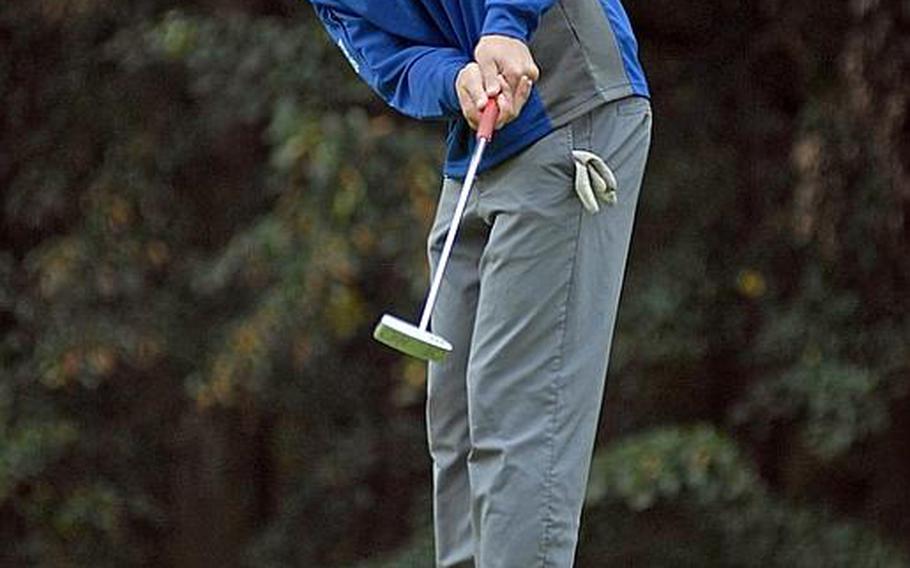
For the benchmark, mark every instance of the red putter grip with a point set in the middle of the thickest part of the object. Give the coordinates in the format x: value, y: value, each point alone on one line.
x: 488, y: 120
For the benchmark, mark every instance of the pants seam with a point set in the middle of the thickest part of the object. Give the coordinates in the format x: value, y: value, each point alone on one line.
x: 557, y: 370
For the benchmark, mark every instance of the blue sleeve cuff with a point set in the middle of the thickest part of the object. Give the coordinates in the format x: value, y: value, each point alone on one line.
x: 507, y: 21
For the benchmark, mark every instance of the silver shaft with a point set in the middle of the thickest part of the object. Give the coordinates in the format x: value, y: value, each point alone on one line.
x: 453, y: 230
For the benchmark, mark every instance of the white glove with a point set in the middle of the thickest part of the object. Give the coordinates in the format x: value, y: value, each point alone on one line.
x: 593, y: 180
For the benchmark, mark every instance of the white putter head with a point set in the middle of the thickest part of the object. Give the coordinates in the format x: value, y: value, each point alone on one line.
x: 411, y: 340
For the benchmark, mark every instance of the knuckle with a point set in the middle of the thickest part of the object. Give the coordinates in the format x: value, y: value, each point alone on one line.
x: 512, y: 70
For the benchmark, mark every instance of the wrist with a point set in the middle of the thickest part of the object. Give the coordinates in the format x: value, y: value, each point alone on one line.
x: 508, y: 22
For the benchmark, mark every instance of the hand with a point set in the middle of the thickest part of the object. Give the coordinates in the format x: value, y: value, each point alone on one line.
x: 501, y: 55
x: 508, y: 71
x: 473, y: 97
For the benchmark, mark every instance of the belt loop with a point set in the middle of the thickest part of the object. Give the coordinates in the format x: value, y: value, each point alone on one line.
x: 583, y: 131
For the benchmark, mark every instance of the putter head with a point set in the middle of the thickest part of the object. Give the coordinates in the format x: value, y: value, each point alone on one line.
x: 410, y: 339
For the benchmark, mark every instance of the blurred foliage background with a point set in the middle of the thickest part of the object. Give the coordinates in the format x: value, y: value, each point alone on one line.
x: 204, y: 212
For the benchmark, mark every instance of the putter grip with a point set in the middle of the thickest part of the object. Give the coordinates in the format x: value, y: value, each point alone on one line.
x: 488, y: 120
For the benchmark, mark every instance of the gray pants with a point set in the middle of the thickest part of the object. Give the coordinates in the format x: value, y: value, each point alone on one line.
x: 529, y: 303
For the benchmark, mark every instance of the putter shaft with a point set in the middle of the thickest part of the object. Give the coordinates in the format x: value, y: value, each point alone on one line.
x: 418, y: 341
x: 453, y: 231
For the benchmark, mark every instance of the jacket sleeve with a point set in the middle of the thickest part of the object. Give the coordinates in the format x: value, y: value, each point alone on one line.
x: 514, y: 18
x: 416, y: 80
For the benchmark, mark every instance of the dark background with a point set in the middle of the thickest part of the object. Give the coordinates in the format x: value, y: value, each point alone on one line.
x: 204, y: 213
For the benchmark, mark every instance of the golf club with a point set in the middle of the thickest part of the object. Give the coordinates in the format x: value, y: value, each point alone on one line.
x: 417, y: 341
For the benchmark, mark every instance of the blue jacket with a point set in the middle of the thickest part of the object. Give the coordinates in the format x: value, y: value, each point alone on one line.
x: 410, y: 51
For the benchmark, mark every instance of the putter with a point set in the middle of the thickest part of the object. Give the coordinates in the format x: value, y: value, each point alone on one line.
x: 417, y: 341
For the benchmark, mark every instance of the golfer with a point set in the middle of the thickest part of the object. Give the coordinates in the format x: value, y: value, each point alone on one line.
x: 530, y: 295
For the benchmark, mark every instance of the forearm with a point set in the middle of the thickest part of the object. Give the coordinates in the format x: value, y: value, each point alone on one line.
x: 514, y: 18
x: 416, y: 80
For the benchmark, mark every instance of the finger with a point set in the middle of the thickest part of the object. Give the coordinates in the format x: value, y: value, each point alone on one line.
x: 506, y: 114
x: 490, y: 74
x: 602, y: 171
x: 472, y: 117
x: 598, y: 184
x: 515, y: 70
x: 583, y: 188
x: 472, y: 83
x: 522, y: 94
x: 471, y: 96
x: 469, y: 112
x: 512, y: 77
x: 506, y: 104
